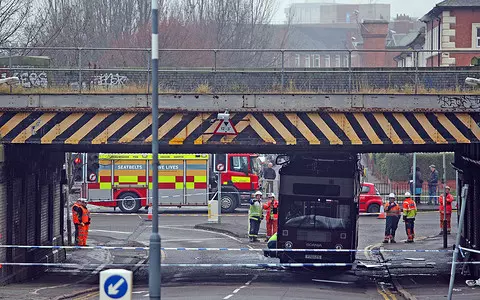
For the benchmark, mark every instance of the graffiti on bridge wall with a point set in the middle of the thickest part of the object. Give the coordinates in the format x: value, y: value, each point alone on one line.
x: 30, y: 79
x: 459, y: 101
x: 109, y: 80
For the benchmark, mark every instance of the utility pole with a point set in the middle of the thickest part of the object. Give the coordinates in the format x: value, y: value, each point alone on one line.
x: 154, y: 268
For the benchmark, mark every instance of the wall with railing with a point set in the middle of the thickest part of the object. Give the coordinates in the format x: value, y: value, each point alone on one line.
x: 224, y: 70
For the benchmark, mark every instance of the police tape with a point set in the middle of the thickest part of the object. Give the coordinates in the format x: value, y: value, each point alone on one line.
x: 227, y: 249
x: 244, y: 265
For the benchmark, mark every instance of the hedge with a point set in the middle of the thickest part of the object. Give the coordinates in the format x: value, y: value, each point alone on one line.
x: 397, y: 166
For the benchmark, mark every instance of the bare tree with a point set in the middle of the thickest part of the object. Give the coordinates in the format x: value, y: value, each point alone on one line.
x: 13, y: 16
x: 188, y: 24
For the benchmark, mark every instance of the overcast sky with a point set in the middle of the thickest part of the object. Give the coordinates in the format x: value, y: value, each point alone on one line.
x: 414, y: 8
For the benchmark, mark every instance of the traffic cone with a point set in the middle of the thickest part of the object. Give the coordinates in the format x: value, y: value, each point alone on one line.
x: 382, y: 213
x: 149, y: 212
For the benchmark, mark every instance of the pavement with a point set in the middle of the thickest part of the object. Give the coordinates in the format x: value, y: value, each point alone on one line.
x: 426, y: 280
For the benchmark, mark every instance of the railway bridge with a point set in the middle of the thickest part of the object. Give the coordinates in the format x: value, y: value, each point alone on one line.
x: 36, y: 130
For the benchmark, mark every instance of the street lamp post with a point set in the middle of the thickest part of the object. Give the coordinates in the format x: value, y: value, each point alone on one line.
x: 154, y: 268
x: 445, y: 239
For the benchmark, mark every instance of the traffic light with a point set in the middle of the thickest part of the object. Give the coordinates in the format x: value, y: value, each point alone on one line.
x: 77, y: 167
x: 92, y: 167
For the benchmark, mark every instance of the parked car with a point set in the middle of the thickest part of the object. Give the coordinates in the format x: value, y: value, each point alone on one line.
x: 370, y: 199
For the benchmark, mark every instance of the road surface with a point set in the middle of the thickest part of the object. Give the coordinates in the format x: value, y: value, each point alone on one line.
x: 213, y: 282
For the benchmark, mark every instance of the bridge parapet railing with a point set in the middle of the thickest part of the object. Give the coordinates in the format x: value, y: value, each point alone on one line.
x: 128, y: 70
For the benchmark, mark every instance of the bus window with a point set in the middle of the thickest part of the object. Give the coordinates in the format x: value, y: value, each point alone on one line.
x: 317, y: 214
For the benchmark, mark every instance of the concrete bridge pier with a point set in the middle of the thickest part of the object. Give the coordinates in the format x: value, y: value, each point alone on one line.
x: 31, y: 208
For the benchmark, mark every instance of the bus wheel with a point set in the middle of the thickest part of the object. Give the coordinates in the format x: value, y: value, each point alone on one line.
x: 228, y: 203
x: 129, y: 202
x: 373, y: 208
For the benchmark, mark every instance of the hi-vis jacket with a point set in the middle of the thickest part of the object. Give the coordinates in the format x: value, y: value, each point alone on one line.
x: 255, y: 211
x: 449, y: 203
x: 409, y: 208
x: 392, y: 209
x: 272, y: 209
x: 80, y: 214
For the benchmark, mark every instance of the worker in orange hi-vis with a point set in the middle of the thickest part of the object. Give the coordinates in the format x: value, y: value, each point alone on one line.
x: 81, y: 219
x: 442, y: 210
x: 272, y: 215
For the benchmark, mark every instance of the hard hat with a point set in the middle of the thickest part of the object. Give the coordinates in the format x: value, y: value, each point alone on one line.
x: 407, y: 194
x: 392, y: 195
x: 82, y: 199
x: 447, y: 187
x: 272, y: 195
x: 258, y: 193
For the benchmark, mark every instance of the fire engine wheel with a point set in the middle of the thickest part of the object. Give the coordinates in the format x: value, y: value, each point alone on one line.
x: 129, y: 202
x: 229, y: 203
x: 373, y: 208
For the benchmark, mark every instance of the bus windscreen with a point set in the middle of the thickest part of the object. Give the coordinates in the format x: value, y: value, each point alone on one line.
x: 317, y: 214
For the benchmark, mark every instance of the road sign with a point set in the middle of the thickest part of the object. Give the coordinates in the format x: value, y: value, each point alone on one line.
x: 220, y: 167
x: 92, y: 177
x: 116, y: 284
x: 225, y: 127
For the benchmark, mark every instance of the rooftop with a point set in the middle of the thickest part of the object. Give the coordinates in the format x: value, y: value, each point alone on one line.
x: 447, y: 4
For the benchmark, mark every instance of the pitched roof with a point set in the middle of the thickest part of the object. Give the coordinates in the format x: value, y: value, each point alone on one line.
x: 448, y: 4
x: 458, y: 3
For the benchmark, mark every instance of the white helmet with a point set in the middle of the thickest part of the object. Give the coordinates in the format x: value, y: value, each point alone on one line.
x: 272, y: 195
x: 258, y: 193
x: 392, y: 195
x: 407, y: 194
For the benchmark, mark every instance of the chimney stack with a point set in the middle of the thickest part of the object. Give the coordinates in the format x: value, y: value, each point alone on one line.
x: 374, y: 34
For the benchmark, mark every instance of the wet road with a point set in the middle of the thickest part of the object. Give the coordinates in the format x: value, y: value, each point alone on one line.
x: 213, y: 282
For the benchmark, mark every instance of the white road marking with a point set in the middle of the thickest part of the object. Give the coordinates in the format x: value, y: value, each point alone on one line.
x: 198, y: 230
x: 332, y: 281
x: 192, y: 240
x: 140, y: 292
x: 110, y: 231
x: 236, y: 291
x: 228, y: 297
x: 250, y: 281
x: 35, y: 292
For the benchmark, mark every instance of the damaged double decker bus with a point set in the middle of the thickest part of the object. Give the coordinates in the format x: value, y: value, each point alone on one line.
x: 318, y: 207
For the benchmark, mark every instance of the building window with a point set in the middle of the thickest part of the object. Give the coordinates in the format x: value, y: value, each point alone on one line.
x: 297, y: 60
x: 316, y: 61
x: 337, y: 61
x: 327, y: 61
x: 345, y: 61
x: 307, y: 61
x: 478, y: 37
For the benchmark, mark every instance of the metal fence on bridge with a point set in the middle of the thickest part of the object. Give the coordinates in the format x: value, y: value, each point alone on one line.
x: 128, y: 70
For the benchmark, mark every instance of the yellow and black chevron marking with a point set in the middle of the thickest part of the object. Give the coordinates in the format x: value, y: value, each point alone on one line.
x: 322, y: 128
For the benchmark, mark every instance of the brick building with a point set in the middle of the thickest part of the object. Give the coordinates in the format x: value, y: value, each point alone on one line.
x: 452, y: 25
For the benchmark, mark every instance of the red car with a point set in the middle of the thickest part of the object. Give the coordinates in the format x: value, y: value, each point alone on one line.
x: 370, y: 199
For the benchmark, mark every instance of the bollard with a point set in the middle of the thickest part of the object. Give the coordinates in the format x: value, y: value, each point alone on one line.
x: 116, y: 284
